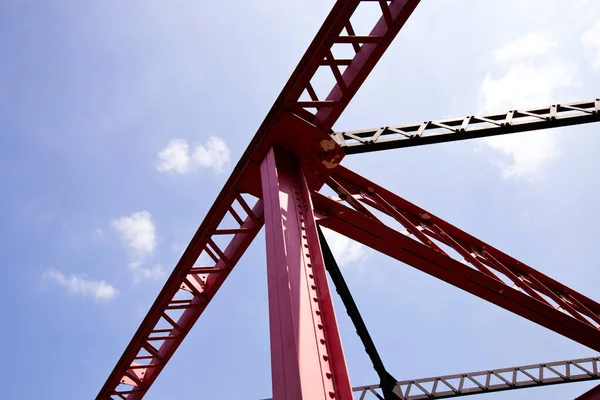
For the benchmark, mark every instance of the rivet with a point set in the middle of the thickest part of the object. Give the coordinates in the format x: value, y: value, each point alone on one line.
x: 332, y: 394
x: 328, y: 375
x: 325, y: 357
x: 318, y: 312
x: 322, y: 341
x: 315, y: 299
x: 320, y: 326
x: 313, y: 287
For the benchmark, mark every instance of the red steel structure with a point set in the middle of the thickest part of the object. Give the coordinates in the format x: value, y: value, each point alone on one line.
x: 278, y: 183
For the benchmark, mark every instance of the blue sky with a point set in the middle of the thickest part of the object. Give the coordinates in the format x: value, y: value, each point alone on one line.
x: 120, y: 121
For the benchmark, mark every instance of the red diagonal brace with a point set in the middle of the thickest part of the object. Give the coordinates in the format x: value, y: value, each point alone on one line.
x: 576, y: 324
x: 307, y: 359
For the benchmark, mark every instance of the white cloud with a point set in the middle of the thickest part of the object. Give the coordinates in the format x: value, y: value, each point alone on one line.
x: 175, y: 157
x: 527, y: 46
x: 215, y: 155
x: 345, y: 250
x: 100, y: 290
x: 591, y: 40
x: 533, y: 76
x: 138, y: 235
x: 97, y: 235
x: 140, y: 272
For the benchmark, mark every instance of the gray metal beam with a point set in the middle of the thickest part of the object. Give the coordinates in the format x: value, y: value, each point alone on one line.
x: 524, y: 376
x: 469, y: 127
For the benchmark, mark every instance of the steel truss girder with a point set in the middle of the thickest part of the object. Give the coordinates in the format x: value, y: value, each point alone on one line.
x: 484, y: 271
x: 184, y: 297
x: 469, y: 127
x: 307, y: 358
x: 496, y: 380
x: 129, y: 380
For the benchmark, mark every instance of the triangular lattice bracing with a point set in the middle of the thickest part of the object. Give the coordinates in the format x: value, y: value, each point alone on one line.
x: 351, y: 41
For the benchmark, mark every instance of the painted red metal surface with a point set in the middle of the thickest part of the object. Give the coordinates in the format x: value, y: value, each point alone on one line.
x: 131, y: 381
x: 484, y: 271
x: 592, y: 394
x: 368, y: 50
x: 299, y: 121
x: 184, y: 297
x: 307, y: 359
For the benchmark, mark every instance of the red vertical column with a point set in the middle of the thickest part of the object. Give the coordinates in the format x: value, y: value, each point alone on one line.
x: 307, y: 359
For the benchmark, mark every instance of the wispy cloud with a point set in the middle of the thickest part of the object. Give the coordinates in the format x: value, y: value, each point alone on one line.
x: 215, y: 155
x: 141, y: 272
x: 345, y: 250
x: 97, y: 235
x: 138, y: 235
x: 99, y: 290
x: 591, y: 40
x: 534, y: 74
x: 176, y: 157
x: 525, y: 47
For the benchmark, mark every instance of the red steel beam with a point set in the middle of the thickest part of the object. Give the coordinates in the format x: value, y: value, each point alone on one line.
x: 180, y: 303
x: 554, y: 306
x: 307, y: 359
x: 245, y: 178
x: 592, y: 394
x: 372, y: 47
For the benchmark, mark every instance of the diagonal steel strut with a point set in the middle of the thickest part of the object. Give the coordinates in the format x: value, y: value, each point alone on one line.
x: 387, y: 381
x: 484, y: 271
x: 469, y: 127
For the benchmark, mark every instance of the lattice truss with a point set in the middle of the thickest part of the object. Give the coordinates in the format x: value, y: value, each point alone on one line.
x: 218, y: 244
x: 469, y: 127
x: 299, y: 125
x: 496, y: 380
x: 438, y: 248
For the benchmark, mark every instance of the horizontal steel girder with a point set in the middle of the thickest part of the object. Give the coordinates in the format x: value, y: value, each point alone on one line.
x: 469, y: 127
x: 495, y: 380
x: 471, y: 265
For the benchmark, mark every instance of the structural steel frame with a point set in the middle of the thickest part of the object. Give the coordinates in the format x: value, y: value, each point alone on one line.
x: 299, y: 125
x: 307, y: 359
x: 495, y: 380
x: 469, y: 127
x: 483, y: 270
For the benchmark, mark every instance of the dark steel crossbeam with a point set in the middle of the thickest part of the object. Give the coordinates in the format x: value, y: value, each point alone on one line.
x: 469, y: 127
x: 524, y: 376
x: 387, y: 381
